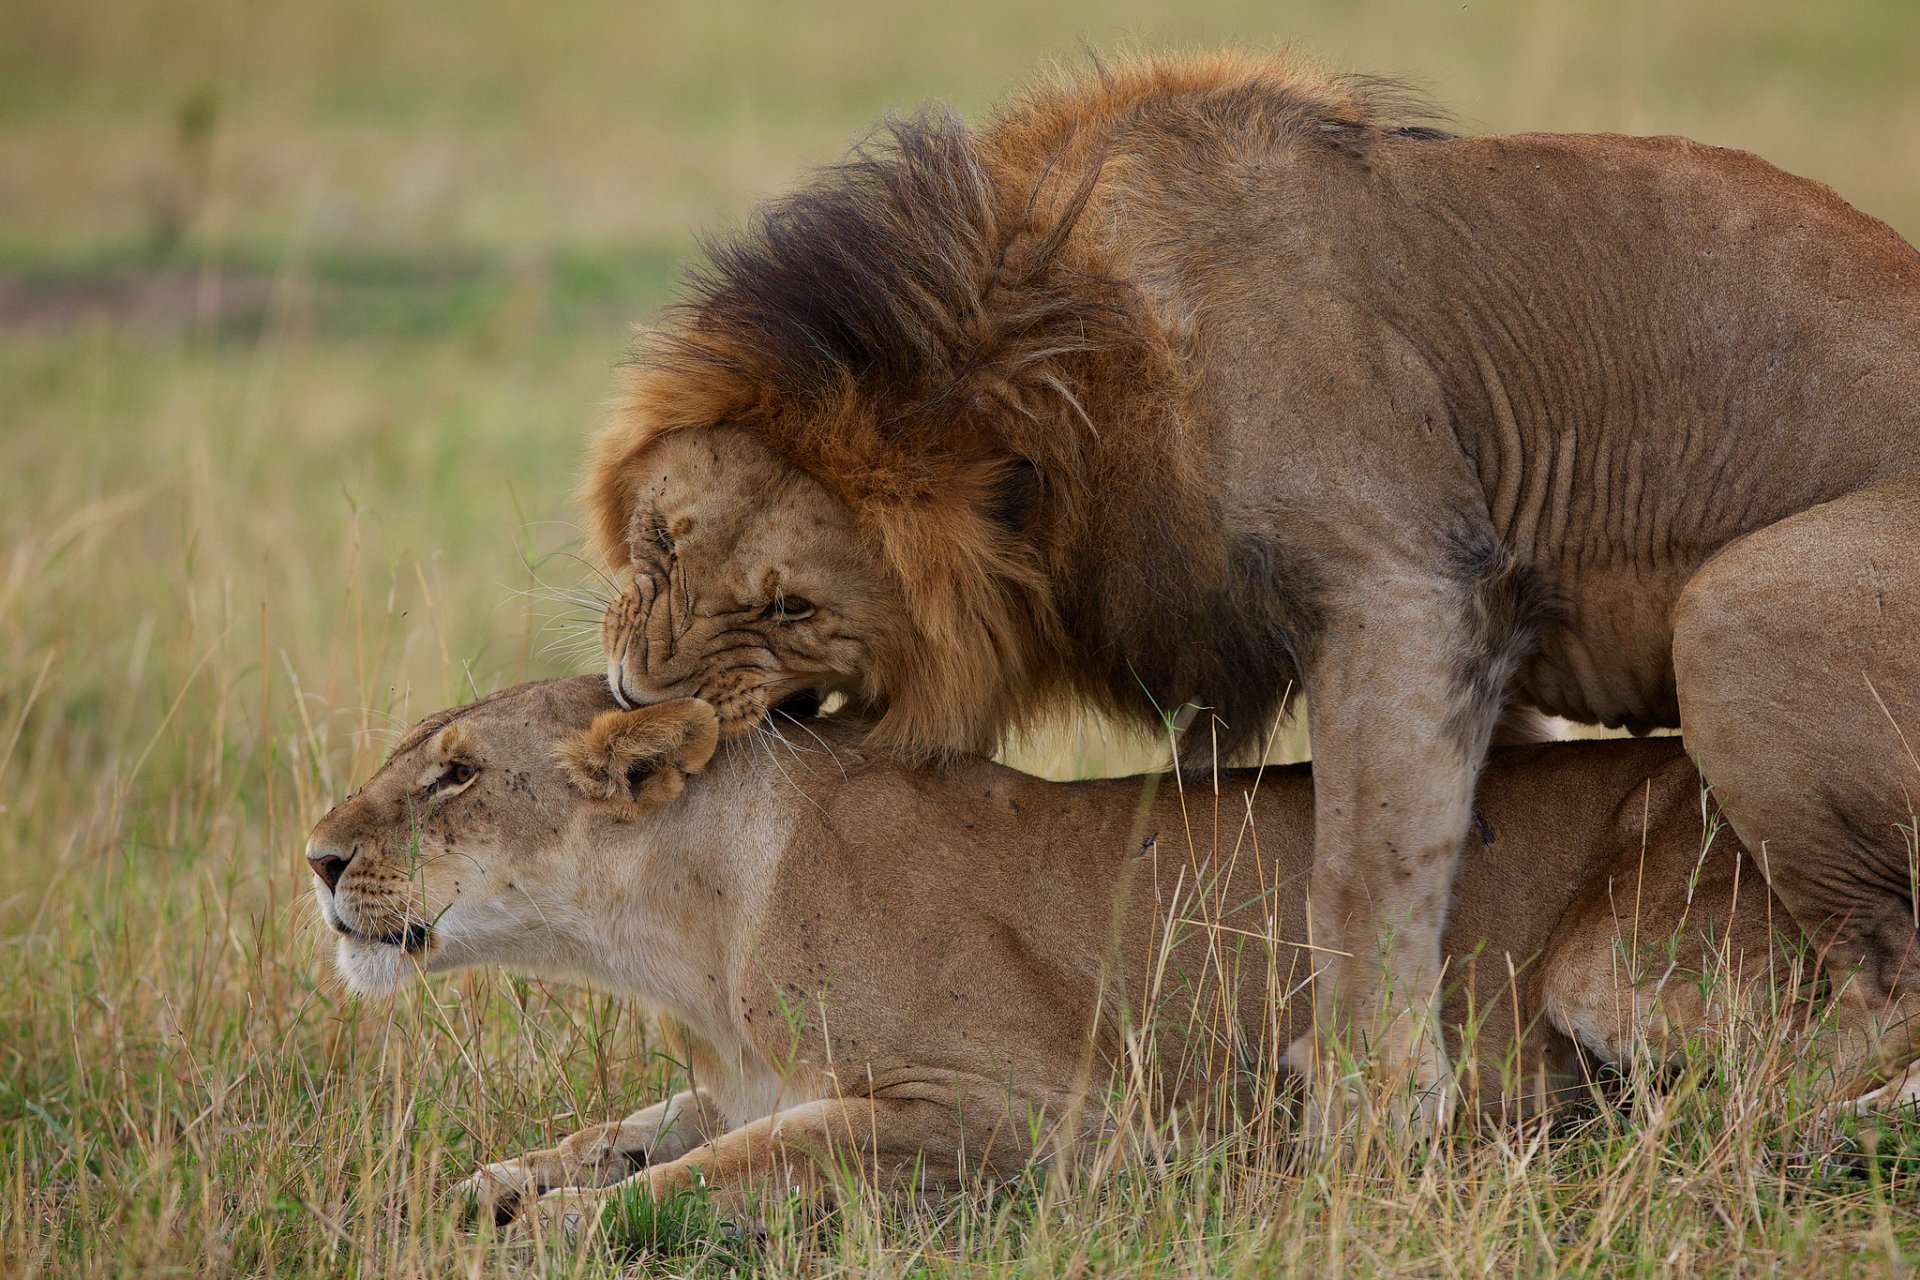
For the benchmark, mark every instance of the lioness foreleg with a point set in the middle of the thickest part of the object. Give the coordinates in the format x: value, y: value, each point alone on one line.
x: 593, y: 1157
x: 893, y: 1143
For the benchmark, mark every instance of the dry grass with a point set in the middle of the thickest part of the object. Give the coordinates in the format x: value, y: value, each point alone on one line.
x: 304, y: 310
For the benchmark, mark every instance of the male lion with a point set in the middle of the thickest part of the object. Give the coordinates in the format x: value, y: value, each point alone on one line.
x: 1190, y: 384
x: 910, y: 966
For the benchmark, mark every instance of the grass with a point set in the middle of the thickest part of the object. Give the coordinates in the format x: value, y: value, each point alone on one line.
x: 304, y: 313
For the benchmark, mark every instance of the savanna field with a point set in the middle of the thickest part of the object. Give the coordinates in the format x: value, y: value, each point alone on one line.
x: 306, y: 313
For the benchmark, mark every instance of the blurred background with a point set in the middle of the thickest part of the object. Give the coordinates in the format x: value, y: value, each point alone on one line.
x: 307, y: 308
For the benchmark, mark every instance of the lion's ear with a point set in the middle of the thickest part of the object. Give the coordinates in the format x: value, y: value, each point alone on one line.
x: 639, y: 760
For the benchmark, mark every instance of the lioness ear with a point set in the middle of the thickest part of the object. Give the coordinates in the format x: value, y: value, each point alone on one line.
x: 639, y: 760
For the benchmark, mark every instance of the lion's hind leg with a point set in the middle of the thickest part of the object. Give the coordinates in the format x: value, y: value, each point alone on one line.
x: 1797, y: 662
x: 594, y: 1157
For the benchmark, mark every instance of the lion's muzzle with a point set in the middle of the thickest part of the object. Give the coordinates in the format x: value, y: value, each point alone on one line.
x: 659, y: 649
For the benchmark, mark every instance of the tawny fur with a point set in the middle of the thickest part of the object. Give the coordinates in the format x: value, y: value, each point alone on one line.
x: 1186, y: 385
x: 911, y: 969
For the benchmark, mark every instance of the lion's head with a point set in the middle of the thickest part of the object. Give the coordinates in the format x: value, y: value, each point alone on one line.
x: 472, y: 843
x: 865, y: 456
x: 945, y: 398
x: 748, y: 582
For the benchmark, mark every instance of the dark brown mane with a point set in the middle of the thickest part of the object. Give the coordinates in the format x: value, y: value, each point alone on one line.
x: 883, y: 274
x: 904, y: 277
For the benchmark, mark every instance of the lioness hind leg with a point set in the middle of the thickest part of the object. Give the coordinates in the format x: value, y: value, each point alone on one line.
x: 1676, y: 945
x: 1671, y: 946
x: 1797, y: 660
x: 1884, y: 1084
x: 594, y: 1157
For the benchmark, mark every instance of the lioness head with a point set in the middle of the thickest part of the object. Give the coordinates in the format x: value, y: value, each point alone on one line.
x: 471, y: 844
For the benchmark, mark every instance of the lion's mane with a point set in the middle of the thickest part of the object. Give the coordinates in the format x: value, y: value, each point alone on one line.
x: 941, y: 331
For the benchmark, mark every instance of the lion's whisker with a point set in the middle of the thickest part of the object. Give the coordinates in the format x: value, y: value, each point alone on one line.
x: 569, y: 648
x: 542, y: 589
x: 613, y: 587
x: 798, y: 750
x: 755, y: 731
x: 825, y: 746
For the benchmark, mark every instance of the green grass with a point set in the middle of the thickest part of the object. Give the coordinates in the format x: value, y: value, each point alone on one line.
x: 305, y: 312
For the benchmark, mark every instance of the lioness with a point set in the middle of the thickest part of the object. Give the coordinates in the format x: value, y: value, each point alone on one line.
x: 929, y: 970
x: 1188, y: 384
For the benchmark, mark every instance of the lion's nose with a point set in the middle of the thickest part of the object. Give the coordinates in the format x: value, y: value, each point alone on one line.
x: 631, y: 693
x: 330, y: 865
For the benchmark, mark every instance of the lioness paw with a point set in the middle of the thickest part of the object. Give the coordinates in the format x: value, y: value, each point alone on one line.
x: 495, y: 1192
x: 565, y: 1213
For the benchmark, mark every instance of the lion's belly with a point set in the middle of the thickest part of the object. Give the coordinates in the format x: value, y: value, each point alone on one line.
x: 1610, y: 661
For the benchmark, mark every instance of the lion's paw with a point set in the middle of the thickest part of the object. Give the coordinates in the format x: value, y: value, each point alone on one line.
x: 1414, y: 1095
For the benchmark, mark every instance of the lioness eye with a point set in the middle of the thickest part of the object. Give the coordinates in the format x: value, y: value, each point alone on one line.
x: 458, y: 774
x: 787, y: 609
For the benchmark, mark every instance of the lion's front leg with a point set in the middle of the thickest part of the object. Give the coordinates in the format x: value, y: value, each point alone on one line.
x: 599, y: 1156
x: 1402, y: 697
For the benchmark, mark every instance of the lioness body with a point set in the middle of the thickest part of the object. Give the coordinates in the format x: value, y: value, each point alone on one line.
x: 1199, y: 383
x: 939, y: 967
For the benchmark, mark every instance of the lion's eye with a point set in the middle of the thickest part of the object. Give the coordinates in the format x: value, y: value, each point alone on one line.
x: 787, y: 609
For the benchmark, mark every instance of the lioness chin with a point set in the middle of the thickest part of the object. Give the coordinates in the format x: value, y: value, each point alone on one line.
x: 906, y: 968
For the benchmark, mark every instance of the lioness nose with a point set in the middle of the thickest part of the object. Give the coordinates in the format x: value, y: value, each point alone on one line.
x: 330, y: 865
